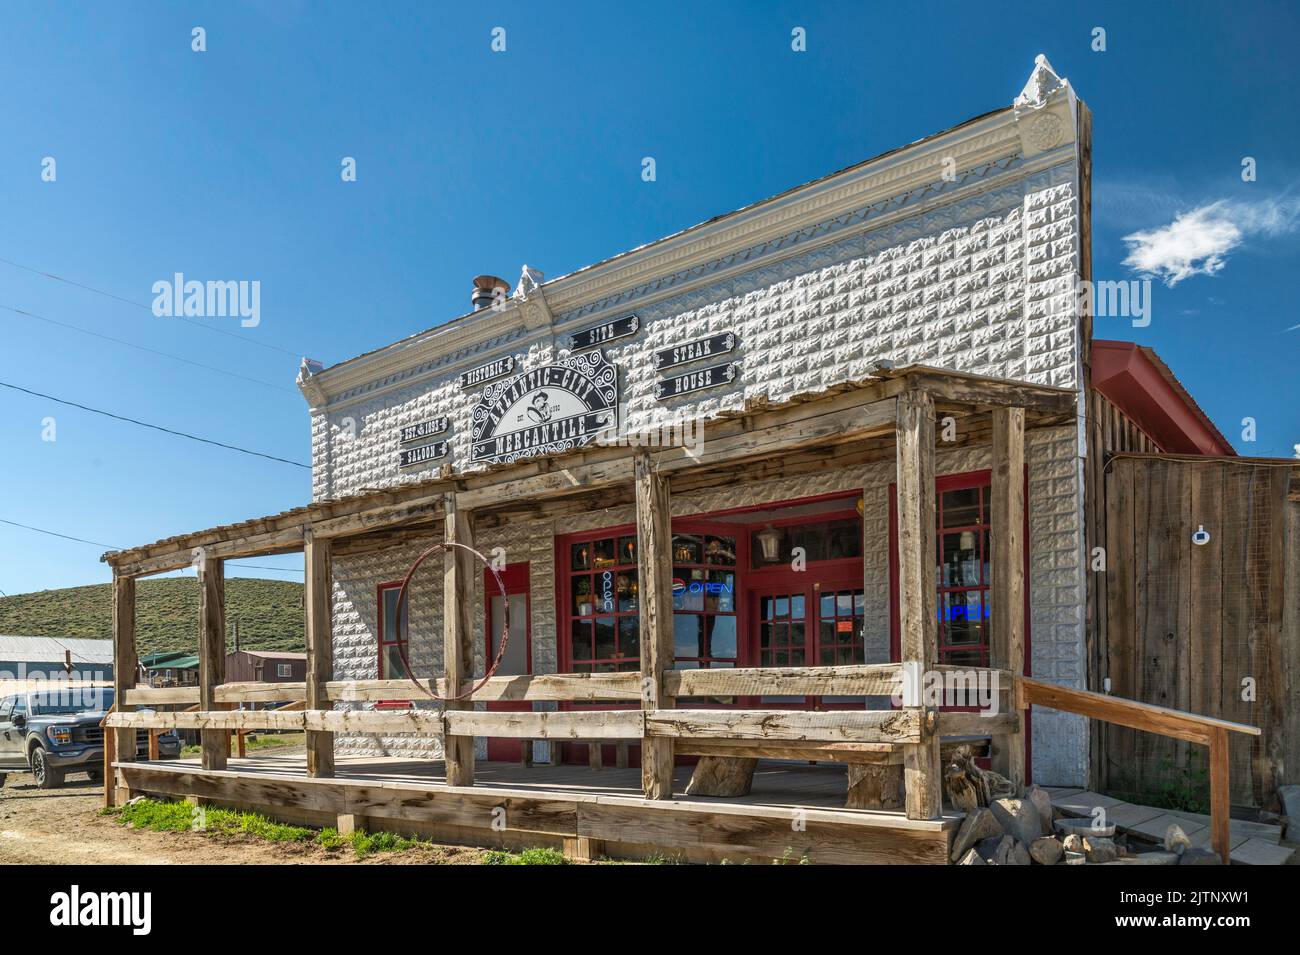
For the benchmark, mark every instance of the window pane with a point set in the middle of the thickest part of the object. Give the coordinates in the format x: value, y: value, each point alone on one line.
x: 602, y: 553
x: 580, y: 641
x: 392, y: 631
x: 606, y: 591
x: 686, y: 549
x: 961, y: 508
x: 720, y: 591
x: 628, y: 589
x: 688, y: 588
x: 580, y: 556
x: 604, y: 637
x: 629, y: 637
x: 392, y: 663
x: 720, y: 550
x: 627, y: 550
x: 687, y: 635
x: 961, y: 567
x: 580, y: 588
x: 722, y: 636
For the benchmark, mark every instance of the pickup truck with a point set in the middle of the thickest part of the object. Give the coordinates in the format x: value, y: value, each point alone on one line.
x: 52, y: 736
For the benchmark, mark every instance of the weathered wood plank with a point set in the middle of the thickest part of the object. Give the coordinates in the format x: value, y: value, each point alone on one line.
x: 212, y: 655
x: 458, y: 634
x: 125, y: 666
x: 861, y: 680
x: 320, y: 647
x: 1008, y: 567
x: 875, y: 753
x: 865, y: 726
x: 917, y: 557
x: 654, y: 546
x: 422, y: 722
x: 575, y: 724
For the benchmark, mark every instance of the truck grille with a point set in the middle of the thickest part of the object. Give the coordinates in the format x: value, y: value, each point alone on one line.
x: 92, y: 735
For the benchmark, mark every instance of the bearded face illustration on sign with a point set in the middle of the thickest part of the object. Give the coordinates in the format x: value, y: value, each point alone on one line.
x: 541, y: 410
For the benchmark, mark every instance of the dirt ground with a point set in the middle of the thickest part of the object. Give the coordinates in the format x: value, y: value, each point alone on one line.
x: 63, y: 826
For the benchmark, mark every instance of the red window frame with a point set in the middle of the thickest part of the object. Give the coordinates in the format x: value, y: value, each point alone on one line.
x: 382, y: 643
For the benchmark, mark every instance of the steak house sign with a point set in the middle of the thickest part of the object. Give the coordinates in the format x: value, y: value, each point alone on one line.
x: 546, y: 410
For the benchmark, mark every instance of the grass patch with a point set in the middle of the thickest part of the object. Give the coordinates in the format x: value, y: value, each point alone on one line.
x: 158, y: 815
x: 534, y: 856
x: 253, y: 744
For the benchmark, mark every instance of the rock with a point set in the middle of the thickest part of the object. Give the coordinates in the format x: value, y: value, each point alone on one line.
x: 1019, y: 855
x: 1176, y: 840
x: 978, y: 825
x: 1199, y: 857
x: 1100, y: 849
x: 988, y: 849
x: 1018, y: 818
x: 1083, y: 827
x: 1075, y: 858
x: 1005, y: 851
x: 1041, y: 801
x: 972, y: 858
x: 1046, y: 850
x: 1073, y: 842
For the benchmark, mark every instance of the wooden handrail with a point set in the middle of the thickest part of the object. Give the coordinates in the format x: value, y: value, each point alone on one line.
x: 1147, y: 717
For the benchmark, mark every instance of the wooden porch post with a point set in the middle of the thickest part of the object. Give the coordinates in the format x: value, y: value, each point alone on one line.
x: 212, y: 656
x: 320, y: 648
x: 125, y: 663
x: 654, y: 552
x: 457, y: 635
x: 917, y: 559
x: 1008, y: 567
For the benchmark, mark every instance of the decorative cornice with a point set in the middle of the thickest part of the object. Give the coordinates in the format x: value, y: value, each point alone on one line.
x: 945, y: 162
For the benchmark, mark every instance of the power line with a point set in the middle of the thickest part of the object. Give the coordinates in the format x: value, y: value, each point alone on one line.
x: 127, y: 301
x: 155, y: 427
x: 144, y: 348
x: 82, y: 540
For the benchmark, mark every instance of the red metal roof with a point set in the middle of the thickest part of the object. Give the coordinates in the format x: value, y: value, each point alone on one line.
x: 1135, y: 379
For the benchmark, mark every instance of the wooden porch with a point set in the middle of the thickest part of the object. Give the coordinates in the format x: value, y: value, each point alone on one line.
x: 890, y: 417
x: 793, y: 813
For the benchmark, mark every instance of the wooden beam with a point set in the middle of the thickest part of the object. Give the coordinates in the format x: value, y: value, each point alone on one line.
x: 457, y: 634
x: 870, y: 680
x: 654, y: 553
x: 212, y: 654
x: 125, y: 665
x: 874, y: 753
x: 1139, y: 716
x: 1219, y: 794
x: 1008, y: 566
x: 576, y: 724
x: 320, y: 647
x: 917, y: 559
x: 861, y: 726
x: 423, y: 722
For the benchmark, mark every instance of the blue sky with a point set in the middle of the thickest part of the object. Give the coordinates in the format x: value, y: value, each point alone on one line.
x: 226, y: 164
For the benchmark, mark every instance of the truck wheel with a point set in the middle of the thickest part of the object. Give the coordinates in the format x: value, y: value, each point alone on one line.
x: 3, y: 777
x: 96, y: 775
x: 47, y: 777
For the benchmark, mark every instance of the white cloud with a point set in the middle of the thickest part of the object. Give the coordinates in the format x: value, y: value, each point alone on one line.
x: 1297, y: 450
x: 1198, y: 242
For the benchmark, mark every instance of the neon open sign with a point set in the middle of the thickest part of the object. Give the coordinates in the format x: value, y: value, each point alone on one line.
x: 964, y: 612
x: 700, y: 587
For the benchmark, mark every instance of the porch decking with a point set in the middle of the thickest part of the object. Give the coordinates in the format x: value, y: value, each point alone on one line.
x: 794, y: 811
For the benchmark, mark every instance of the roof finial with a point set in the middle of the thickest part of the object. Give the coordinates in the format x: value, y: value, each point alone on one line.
x: 1042, y: 82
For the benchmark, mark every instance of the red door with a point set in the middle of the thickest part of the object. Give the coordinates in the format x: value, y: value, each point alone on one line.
x: 508, y: 613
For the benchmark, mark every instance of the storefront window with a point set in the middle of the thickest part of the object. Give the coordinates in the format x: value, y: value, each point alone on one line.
x: 963, y: 574
x: 818, y: 540
x: 704, y: 601
x: 392, y: 642
x: 603, y: 588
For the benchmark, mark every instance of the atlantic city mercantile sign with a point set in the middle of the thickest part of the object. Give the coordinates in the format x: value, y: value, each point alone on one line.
x: 546, y: 410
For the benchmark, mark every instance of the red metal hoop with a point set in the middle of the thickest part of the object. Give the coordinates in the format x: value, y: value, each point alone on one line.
x: 403, y: 622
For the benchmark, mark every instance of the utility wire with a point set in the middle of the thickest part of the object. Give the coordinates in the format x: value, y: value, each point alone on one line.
x: 155, y: 427
x: 149, y: 309
x: 144, y: 348
x: 82, y: 540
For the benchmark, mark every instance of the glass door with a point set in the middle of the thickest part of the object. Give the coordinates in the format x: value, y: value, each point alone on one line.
x: 782, y: 626
x: 507, y: 616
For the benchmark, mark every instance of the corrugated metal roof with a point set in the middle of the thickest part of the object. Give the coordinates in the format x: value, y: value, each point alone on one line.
x: 274, y: 654
x: 177, y: 663
x: 18, y: 649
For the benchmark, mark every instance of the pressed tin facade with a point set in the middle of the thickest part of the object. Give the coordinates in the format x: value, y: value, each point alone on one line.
x: 960, y: 252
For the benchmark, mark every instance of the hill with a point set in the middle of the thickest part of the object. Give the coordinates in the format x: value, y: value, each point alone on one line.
x: 269, y: 612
